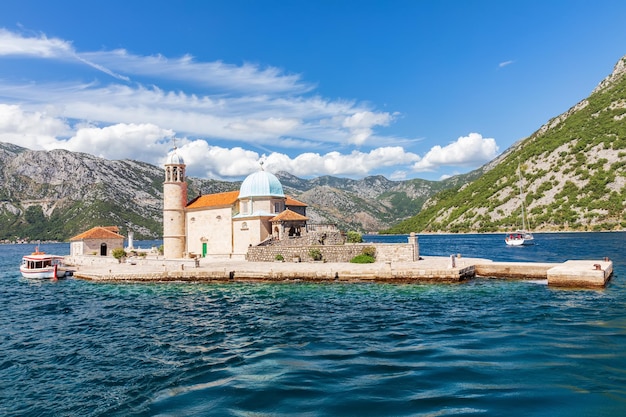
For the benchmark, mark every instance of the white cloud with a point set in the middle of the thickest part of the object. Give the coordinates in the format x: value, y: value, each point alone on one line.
x: 217, y: 162
x: 146, y: 142
x: 361, y: 123
x: 13, y: 44
x: 263, y: 108
x: 248, y: 103
x: 468, y: 150
x: 33, y: 130
x: 247, y: 77
x: 355, y: 163
x: 505, y: 63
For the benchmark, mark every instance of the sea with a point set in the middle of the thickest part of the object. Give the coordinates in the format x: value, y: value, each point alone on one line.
x: 484, y: 347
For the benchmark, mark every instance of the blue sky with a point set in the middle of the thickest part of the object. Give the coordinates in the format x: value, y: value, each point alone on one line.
x: 406, y: 89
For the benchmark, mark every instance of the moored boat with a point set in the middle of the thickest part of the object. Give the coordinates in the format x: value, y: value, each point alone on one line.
x: 42, y: 265
x: 521, y: 237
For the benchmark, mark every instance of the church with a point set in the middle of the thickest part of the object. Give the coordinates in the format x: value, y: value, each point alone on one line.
x: 226, y: 224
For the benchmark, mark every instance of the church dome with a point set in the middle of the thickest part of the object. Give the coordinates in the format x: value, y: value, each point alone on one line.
x: 261, y: 184
x: 175, y: 159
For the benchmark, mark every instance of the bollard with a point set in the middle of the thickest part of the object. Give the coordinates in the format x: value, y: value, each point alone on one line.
x: 598, y: 267
x: 452, y: 262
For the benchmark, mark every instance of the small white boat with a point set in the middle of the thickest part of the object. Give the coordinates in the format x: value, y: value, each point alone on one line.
x: 520, y: 237
x: 44, y: 266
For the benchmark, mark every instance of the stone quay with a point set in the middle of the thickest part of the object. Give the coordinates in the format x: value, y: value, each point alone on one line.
x: 453, y: 269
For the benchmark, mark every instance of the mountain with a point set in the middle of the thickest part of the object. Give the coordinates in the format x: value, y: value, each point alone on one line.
x: 573, y: 175
x: 54, y: 195
x: 369, y: 204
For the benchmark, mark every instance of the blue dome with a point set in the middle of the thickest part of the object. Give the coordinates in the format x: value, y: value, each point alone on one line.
x: 175, y: 159
x: 261, y: 184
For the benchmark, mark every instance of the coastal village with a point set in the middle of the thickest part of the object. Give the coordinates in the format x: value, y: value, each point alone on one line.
x: 260, y: 234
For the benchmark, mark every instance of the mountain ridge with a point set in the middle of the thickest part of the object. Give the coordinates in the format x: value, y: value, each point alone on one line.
x: 57, y: 194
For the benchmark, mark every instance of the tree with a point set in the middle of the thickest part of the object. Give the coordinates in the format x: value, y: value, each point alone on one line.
x: 119, y: 253
x: 354, y: 237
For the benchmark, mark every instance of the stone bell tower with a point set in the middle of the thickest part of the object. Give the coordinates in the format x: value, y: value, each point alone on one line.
x: 174, y: 202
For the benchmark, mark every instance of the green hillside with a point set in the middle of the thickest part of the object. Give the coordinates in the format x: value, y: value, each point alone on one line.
x: 573, y: 175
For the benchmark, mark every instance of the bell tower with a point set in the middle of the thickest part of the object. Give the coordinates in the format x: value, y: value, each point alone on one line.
x: 174, y: 202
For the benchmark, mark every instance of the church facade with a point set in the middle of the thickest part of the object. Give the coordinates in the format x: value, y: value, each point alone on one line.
x: 226, y: 224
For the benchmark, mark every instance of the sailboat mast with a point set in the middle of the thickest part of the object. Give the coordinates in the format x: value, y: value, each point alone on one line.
x: 521, y: 196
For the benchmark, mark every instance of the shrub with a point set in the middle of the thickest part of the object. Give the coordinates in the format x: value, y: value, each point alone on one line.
x: 315, y: 254
x: 363, y: 259
x: 118, y: 253
x: 369, y: 251
x: 279, y: 257
x: 354, y: 237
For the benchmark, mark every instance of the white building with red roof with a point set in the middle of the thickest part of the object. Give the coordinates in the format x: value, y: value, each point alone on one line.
x: 226, y: 224
x: 99, y: 240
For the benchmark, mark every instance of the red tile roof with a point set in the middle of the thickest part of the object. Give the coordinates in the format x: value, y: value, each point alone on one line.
x: 289, y: 215
x: 100, y: 232
x: 215, y: 200
x: 293, y: 202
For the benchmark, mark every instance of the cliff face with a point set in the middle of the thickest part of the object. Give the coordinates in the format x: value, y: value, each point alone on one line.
x: 56, y: 194
x: 573, y: 170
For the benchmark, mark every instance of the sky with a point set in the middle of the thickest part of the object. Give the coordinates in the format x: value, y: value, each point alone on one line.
x: 406, y: 89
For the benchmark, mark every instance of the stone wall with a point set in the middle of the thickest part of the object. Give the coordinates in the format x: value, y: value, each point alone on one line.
x: 385, y: 252
x: 311, y: 239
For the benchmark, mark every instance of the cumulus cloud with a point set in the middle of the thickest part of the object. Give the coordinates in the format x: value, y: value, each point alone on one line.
x: 218, y: 162
x: 355, y: 163
x: 468, y: 150
x: 33, y: 130
x: 146, y: 142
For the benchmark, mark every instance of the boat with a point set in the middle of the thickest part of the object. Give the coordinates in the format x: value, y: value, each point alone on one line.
x: 42, y: 265
x: 521, y: 237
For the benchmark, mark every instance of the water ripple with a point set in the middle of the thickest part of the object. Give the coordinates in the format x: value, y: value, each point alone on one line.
x: 483, y: 348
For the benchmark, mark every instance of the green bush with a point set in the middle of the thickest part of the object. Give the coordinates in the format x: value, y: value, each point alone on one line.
x: 279, y: 257
x: 118, y: 253
x: 315, y: 254
x: 369, y: 251
x: 363, y: 259
x: 354, y: 237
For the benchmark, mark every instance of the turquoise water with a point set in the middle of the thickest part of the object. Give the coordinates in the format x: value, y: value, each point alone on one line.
x: 481, y: 348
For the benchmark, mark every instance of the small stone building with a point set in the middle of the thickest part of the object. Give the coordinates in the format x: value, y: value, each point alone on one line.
x: 99, y: 241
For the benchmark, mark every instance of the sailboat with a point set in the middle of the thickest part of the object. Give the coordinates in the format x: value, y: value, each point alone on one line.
x: 521, y: 237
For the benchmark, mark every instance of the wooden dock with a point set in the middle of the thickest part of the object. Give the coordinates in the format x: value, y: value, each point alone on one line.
x: 590, y: 273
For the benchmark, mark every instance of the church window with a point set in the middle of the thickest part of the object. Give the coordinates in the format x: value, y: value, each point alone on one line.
x: 244, y: 226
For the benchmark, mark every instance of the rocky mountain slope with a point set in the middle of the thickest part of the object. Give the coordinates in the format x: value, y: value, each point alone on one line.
x: 57, y: 194
x: 573, y: 175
